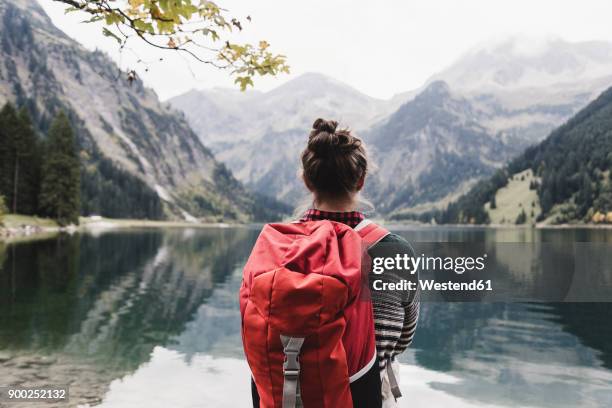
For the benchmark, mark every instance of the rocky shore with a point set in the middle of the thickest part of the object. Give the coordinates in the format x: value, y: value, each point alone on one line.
x: 87, y: 382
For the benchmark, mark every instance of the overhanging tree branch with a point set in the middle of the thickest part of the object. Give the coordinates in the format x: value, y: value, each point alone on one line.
x: 196, y: 28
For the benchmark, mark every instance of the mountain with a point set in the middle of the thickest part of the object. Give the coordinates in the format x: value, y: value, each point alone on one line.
x: 522, y: 62
x: 224, y: 116
x: 431, y: 149
x: 270, y: 164
x: 430, y: 144
x: 525, y: 87
x: 133, y: 148
x: 525, y: 116
x: 427, y: 152
x: 259, y: 136
x: 517, y: 91
x: 565, y: 178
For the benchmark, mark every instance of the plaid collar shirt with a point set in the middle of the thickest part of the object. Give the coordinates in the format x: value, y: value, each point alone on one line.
x: 350, y: 218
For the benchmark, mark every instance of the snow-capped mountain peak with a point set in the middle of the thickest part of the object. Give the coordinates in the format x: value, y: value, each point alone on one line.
x: 523, y: 62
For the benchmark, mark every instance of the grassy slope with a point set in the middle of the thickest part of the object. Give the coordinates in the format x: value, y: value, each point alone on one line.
x: 514, y: 197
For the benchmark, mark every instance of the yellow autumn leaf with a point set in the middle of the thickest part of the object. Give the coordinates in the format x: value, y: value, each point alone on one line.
x: 136, y: 3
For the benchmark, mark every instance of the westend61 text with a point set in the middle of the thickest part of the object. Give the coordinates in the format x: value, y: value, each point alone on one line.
x: 430, y: 284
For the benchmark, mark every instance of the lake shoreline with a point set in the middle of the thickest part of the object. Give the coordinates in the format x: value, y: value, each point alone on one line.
x: 22, y: 228
x: 502, y: 226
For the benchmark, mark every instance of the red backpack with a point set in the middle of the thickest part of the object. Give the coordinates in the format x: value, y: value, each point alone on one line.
x: 307, y: 331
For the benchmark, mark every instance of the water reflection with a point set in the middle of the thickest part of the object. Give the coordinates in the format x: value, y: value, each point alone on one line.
x: 106, y: 302
x: 517, y: 354
x: 150, y: 318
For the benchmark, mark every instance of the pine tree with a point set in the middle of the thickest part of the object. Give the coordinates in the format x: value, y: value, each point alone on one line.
x: 585, y: 195
x: 521, y: 218
x: 3, y: 210
x: 20, y: 161
x: 9, y: 127
x: 60, y: 185
x: 27, y: 169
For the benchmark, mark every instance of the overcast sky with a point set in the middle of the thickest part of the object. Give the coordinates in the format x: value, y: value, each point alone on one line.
x: 380, y: 47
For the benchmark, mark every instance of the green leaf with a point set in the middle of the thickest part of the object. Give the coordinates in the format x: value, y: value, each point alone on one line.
x: 109, y: 33
x: 93, y: 19
x: 113, y: 18
x: 144, y: 26
x: 244, y: 82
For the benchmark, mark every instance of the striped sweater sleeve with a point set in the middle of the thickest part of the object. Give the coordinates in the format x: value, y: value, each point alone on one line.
x: 396, y: 312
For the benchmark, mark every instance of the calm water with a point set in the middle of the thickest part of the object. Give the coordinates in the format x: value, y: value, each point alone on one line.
x: 150, y: 319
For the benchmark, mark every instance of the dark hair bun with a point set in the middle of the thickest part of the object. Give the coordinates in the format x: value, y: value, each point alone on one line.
x: 334, y: 161
x: 325, y: 141
x: 322, y: 144
x: 322, y: 125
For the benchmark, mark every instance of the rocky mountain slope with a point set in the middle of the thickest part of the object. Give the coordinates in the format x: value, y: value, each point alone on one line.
x: 525, y: 87
x: 429, y: 150
x: 124, y: 132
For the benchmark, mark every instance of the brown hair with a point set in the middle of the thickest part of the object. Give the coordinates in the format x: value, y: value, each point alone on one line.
x: 334, y: 161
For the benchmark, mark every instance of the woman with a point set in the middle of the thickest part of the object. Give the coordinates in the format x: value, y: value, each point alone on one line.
x: 335, y: 166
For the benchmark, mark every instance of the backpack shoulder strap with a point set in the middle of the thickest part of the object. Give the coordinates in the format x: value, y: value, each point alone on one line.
x: 370, y: 232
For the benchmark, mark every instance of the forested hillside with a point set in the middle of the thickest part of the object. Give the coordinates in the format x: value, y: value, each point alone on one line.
x: 572, y: 174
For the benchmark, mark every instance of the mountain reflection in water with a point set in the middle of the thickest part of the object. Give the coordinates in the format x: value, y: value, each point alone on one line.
x: 150, y: 318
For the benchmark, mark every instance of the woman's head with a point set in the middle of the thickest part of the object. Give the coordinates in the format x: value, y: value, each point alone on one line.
x: 334, y: 162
